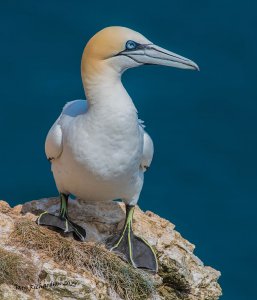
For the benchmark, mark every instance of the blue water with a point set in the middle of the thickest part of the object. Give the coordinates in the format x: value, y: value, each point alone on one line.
x: 204, y: 174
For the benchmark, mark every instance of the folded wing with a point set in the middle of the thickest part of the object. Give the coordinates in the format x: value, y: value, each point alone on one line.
x: 148, y: 151
x: 54, y: 139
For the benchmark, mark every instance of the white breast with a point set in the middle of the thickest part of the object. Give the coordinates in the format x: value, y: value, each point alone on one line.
x: 107, y: 143
x: 101, y: 153
x: 102, y: 145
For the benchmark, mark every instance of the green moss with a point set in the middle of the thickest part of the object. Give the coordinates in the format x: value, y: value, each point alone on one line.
x: 128, y: 282
x: 15, y: 269
x: 175, y: 284
x: 168, y: 293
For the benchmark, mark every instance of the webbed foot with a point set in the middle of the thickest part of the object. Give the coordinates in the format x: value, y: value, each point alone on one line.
x: 135, y: 250
x: 62, y: 222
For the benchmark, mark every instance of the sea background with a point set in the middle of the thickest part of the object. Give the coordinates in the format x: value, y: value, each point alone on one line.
x: 204, y: 124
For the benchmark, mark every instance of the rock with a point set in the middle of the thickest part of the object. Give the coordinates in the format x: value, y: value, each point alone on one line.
x: 39, y: 263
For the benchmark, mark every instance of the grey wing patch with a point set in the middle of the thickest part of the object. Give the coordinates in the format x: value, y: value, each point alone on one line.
x: 148, y: 150
x: 75, y: 108
x: 54, y: 139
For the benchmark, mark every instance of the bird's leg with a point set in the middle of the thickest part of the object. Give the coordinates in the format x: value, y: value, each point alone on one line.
x: 62, y: 221
x: 63, y: 213
x: 135, y: 250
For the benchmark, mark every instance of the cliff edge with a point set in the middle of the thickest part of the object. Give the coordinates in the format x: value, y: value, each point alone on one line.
x: 39, y: 263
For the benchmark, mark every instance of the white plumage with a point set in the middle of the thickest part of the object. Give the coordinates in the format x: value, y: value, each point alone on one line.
x: 98, y: 147
x: 99, y: 157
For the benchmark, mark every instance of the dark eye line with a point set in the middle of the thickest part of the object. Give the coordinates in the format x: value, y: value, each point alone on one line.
x: 138, y: 46
x: 134, y: 45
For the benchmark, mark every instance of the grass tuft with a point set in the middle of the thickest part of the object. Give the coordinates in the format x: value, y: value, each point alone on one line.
x: 16, y: 269
x: 129, y: 283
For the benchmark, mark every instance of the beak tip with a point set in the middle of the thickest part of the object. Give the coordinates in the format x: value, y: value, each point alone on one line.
x: 195, y: 67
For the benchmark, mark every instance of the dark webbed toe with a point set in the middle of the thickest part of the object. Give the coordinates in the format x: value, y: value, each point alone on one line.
x: 47, y: 219
x: 63, y: 224
x: 134, y: 249
x: 62, y: 221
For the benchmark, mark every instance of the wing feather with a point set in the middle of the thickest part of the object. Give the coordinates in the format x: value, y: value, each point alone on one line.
x: 148, y: 150
x: 53, y: 143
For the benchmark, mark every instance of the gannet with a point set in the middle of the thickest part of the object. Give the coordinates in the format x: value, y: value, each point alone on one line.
x: 98, y: 147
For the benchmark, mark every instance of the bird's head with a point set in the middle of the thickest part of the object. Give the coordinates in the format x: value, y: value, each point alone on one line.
x: 122, y: 48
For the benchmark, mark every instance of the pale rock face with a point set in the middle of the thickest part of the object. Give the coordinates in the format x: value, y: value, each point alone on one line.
x: 181, y: 274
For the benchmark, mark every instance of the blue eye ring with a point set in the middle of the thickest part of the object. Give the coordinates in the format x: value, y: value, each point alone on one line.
x: 130, y: 45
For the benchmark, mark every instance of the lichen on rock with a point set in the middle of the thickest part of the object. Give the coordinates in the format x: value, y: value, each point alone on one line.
x: 39, y: 263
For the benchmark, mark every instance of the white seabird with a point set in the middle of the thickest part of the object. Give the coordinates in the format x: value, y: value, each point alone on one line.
x: 98, y: 148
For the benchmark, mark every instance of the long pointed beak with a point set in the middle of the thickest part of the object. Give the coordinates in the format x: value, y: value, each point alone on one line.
x: 154, y: 55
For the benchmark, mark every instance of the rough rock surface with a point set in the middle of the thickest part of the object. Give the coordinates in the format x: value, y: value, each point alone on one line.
x: 34, y: 269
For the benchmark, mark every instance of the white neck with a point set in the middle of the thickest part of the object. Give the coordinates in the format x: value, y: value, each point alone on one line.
x: 104, y: 89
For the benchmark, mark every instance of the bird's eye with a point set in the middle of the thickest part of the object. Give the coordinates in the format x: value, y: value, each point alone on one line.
x: 130, y: 45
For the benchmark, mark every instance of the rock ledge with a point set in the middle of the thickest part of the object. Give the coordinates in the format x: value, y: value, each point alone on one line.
x: 39, y: 263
